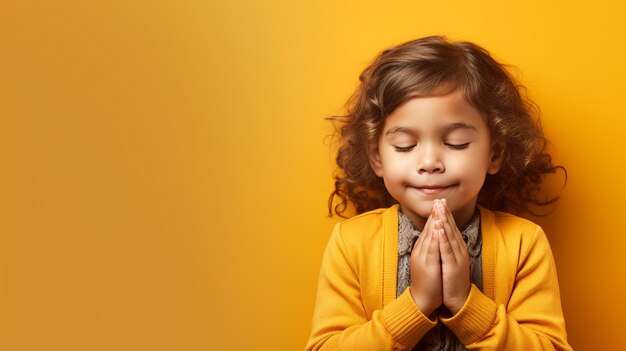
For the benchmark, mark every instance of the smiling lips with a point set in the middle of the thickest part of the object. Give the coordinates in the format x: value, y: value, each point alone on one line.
x: 433, y: 189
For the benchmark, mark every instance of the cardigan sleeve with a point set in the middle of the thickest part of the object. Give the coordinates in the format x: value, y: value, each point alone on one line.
x: 531, y: 320
x: 340, y: 321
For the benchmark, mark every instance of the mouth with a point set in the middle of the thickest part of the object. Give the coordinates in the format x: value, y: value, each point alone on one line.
x: 433, y: 189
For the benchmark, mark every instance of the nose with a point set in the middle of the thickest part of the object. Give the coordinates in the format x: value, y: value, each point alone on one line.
x: 429, y: 160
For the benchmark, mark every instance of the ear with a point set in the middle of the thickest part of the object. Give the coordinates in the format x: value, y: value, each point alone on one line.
x: 374, y: 157
x: 497, y: 153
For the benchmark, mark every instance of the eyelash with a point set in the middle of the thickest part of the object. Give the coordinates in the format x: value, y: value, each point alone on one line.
x: 404, y: 149
x: 458, y: 146
x: 451, y: 146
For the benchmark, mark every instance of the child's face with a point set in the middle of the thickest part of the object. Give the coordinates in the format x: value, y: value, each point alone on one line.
x: 432, y: 148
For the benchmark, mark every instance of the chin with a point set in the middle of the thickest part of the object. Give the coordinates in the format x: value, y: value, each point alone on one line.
x: 427, y: 205
x: 423, y: 209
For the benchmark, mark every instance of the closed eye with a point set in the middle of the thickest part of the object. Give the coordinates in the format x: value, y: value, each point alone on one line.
x: 457, y: 146
x: 403, y: 148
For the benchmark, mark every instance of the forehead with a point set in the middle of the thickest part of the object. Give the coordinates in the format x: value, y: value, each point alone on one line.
x: 435, y: 112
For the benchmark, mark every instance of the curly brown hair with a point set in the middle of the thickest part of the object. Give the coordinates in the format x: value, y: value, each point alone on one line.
x: 435, y: 66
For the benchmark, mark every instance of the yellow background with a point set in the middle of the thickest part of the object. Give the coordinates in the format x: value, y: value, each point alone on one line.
x: 164, y: 175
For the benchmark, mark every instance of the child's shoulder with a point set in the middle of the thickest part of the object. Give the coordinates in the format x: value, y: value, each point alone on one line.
x: 368, y: 225
x: 363, y: 236
x: 510, y: 227
x: 374, y: 215
x: 509, y: 219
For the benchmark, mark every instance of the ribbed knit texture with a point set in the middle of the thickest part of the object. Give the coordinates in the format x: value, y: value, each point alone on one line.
x: 405, y: 321
x: 475, y: 317
x: 390, y: 255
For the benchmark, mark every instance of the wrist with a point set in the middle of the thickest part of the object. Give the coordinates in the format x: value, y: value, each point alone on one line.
x: 457, y: 304
x: 455, y: 308
x: 422, y: 303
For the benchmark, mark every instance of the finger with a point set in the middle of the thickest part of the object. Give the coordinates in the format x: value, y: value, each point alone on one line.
x: 448, y: 213
x: 459, y: 246
x: 433, y: 256
x: 446, y: 251
x: 425, y: 231
x: 423, y: 250
x: 455, y: 229
x: 442, y: 213
x: 450, y: 233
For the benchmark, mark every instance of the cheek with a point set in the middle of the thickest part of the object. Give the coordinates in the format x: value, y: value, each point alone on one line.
x: 397, y: 166
x: 470, y: 165
x: 403, y: 170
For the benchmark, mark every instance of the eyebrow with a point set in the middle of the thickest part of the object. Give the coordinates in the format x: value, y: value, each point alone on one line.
x: 398, y: 130
x: 459, y: 125
x: 450, y: 127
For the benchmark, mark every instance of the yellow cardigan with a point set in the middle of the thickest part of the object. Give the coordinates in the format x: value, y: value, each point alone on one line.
x: 357, y: 308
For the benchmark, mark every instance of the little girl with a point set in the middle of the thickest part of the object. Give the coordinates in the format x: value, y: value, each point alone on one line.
x: 437, y: 141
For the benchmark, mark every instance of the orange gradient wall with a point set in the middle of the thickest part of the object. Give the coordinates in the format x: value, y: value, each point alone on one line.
x: 164, y: 172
